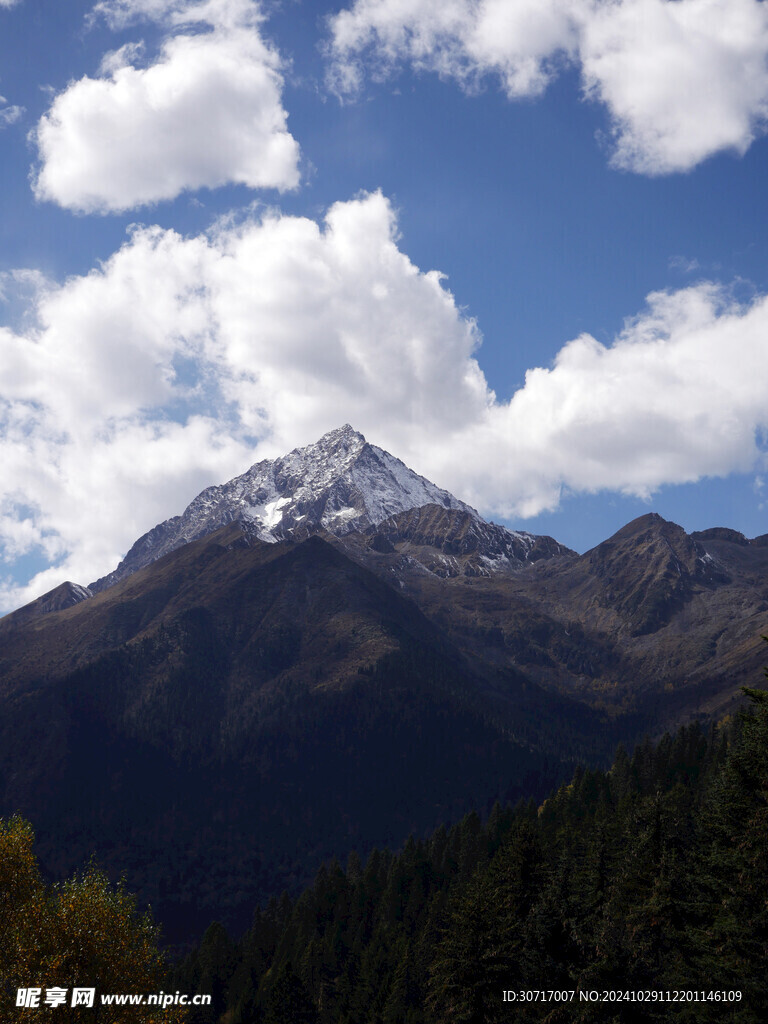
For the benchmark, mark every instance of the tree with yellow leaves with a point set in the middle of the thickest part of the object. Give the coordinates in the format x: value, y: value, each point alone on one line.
x: 84, y: 933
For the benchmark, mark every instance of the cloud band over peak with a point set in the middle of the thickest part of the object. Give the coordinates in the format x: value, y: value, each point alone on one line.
x: 180, y: 361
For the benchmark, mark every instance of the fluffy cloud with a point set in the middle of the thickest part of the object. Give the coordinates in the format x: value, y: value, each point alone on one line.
x: 679, y: 395
x: 180, y: 361
x: 681, y: 79
x: 205, y: 113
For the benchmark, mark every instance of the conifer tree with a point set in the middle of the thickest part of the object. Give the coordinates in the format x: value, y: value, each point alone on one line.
x: 288, y: 1001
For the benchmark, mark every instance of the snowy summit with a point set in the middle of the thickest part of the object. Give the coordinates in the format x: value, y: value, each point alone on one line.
x: 339, y: 484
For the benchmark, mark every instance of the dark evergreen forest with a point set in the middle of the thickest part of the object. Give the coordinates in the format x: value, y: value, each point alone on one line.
x: 651, y: 877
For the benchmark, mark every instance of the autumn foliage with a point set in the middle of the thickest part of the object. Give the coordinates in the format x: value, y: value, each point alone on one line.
x: 85, y: 932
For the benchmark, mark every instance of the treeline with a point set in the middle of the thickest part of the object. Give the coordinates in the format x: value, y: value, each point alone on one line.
x: 649, y: 877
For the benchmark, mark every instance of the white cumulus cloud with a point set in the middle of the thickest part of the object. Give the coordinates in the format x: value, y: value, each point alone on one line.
x: 679, y: 395
x: 181, y: 361
x: 680, y: 79
x: 206, y: 112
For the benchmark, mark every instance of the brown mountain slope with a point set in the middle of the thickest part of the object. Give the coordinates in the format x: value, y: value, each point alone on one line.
x: 652, y: 619
x: 221, y: 721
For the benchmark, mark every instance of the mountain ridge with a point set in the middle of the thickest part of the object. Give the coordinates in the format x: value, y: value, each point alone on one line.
x: 342, y: 484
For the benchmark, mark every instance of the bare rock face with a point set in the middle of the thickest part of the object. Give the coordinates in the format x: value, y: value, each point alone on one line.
x: 452, y: 542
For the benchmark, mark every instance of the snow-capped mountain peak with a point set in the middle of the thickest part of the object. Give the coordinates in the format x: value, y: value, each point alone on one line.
x: 340, y: 484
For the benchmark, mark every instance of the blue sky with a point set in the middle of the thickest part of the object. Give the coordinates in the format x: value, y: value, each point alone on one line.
x: 522, y: 246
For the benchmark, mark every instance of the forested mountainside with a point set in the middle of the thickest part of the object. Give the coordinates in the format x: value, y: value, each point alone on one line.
x: 647, y: 878
x: 218, y: 723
